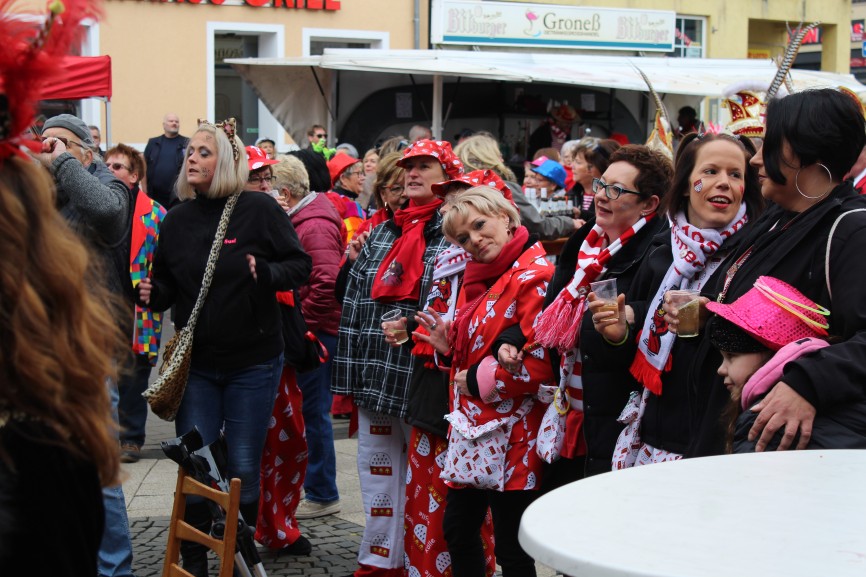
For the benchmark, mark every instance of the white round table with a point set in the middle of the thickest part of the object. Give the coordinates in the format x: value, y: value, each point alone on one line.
x: 787, y: 514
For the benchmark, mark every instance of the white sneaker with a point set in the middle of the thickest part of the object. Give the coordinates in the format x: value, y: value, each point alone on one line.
x: 310, y: 510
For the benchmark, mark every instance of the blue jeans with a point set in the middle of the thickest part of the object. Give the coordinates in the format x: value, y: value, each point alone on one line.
x: 133, y: 407
x: 115, y: 550
x: 240, y: 402
x: 320, y: 484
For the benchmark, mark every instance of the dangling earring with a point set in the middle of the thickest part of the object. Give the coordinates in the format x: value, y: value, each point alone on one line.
x: 820, y: 196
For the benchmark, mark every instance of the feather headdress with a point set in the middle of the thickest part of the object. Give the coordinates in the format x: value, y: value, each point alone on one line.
x: 660, y: 138
x: 29, y: 57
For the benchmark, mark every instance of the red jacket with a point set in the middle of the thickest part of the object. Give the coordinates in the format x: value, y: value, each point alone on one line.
x: 319, y: 228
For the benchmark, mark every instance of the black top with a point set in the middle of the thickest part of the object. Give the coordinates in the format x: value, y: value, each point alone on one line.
x: 51, y: 512
x: 792, y: 247
x: 164, y: 157
x: 239, y: 324
x: 606, y: 380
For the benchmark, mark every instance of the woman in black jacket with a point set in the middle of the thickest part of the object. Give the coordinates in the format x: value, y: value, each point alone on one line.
x: 237, y: 352
x: 620, y: 236
x: 812, y: 140
x: 713, y: 195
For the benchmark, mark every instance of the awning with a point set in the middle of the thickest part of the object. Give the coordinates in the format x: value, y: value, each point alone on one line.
x: 293, y: 88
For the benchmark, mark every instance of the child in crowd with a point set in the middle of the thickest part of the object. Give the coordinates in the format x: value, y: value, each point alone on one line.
x: 758, y: 335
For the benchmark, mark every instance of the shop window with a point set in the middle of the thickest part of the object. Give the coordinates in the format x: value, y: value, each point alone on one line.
x: 689, y: 40
x: 316, y: 40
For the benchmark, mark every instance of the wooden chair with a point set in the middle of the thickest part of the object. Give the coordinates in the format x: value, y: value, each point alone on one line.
x: 179, y: 530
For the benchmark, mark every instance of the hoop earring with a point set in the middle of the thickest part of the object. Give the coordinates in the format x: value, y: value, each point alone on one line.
x: 804, y: 195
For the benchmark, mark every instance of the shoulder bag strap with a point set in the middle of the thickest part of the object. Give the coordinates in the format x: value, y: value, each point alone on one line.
x: 212, y: 259
x: 830, y: 242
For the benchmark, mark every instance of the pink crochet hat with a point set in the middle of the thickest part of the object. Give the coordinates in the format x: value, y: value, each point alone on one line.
x: 438, y: 149
x: 774, y: 313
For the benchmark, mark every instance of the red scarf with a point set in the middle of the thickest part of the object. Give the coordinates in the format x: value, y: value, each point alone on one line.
x: 476, y: 280
x: 399, y: 280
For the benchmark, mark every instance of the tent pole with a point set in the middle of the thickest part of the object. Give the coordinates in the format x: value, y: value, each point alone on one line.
x: 437, y: 107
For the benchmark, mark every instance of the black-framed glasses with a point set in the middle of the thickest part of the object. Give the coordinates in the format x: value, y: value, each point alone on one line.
x: 612, y: 191
x: 355, y: 172
x: 118, y: 166
x: 257, y: 180
x: 324, y: 135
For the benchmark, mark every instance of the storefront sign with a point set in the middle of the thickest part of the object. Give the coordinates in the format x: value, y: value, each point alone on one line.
x: 513, y: 24
x: 297, y: 4
x: 857, y: 31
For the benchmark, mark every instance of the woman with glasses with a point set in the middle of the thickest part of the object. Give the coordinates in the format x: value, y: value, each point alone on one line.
x: 237, y: 355
x: 347, y: 183
x: 714, y: 195
x: 261, y: 177
x: 612, y: 245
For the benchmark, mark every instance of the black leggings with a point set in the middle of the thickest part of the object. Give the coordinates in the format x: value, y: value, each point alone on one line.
x: 464, y: 515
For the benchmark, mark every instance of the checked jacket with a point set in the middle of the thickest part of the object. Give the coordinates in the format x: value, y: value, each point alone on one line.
x: 365, y: 366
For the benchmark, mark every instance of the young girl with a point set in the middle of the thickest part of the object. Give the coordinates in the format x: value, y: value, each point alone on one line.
x: 758, y: 335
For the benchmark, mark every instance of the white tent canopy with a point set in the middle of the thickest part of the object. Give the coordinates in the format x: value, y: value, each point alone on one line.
x: 291, y: 88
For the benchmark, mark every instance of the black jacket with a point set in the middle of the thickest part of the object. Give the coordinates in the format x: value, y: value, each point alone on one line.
x: 792, y: 247
x: 606, y: 380
x: 239, y: 324
x: 669, y: 419
x: 165, y: 194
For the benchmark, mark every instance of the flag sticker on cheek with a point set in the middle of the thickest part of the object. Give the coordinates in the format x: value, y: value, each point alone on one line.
x: 698, y: 185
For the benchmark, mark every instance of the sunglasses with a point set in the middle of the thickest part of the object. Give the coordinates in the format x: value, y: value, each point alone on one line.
x: 321, y: 136
x: 118, y: 166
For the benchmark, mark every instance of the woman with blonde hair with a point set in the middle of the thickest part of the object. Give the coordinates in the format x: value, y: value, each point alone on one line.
x: 237, y: 355
x: 58, y: 442
x: 481, y: 152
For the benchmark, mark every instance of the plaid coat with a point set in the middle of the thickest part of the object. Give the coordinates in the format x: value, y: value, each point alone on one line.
x: 365, y: 366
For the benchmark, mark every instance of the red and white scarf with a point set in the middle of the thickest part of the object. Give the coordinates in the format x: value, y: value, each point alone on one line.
x: 442, y: 297
x: 559, y: 324
x: 692, y: 265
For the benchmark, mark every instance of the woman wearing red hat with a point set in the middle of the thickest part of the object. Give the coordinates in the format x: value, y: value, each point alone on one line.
x: 347, y: 181
x: 393, y: 271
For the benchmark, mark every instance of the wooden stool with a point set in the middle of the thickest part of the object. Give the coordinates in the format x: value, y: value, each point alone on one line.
x: 179, y: 530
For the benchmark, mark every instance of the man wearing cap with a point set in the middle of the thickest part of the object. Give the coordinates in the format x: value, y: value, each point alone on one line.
x: 164, y: 155
x: 98, y: 207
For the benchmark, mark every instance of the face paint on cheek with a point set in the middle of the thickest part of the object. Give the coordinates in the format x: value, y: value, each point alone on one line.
x: 205, y: 172
x: 698, y: 185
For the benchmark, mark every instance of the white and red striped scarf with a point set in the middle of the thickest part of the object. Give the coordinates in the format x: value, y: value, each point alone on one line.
x: 559, y: 324
x: 692, y: 265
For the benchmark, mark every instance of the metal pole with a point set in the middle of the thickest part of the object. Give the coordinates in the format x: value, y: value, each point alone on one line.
x: 437, y: 107
x: 416, y: 20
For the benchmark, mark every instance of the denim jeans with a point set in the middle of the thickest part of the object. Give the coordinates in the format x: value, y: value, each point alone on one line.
x: 132, y: 409
x: 239, y: 402
x: 320, y: 484
x: 115, y: 551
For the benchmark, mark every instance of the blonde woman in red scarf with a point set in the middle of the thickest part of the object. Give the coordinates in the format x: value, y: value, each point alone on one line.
x: 491, y: 459
x: 393, y: 271
x: 611, y: 245
x: 715, y: 193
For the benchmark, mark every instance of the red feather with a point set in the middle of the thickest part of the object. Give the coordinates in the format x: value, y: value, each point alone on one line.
x: 30, y: 52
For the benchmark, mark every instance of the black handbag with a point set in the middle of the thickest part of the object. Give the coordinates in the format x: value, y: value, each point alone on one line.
x: 303, y: 351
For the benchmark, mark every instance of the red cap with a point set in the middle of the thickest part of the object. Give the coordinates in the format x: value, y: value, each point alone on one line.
x: 258, y: 158
x: 339, y: 164
x: 438, y: 149
x: 475, y: 178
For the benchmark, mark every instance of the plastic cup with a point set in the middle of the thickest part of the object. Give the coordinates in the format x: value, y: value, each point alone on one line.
x: 688, y: 307
x: 605, y: 290
x: 392, y: 326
